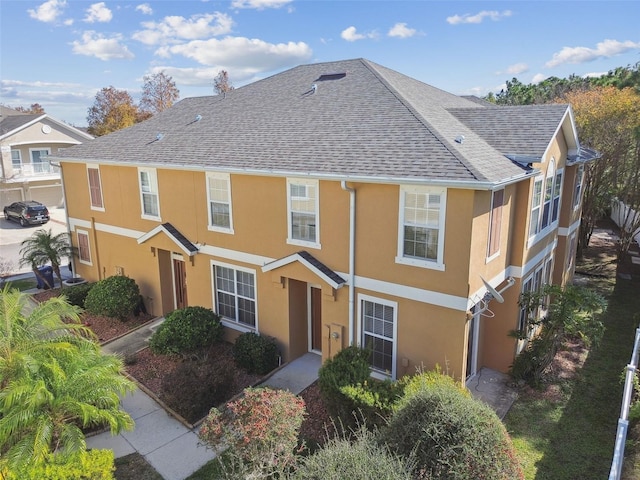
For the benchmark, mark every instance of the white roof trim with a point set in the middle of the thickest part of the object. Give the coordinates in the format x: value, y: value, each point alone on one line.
x: 296, y: 257
x: 161, y: 228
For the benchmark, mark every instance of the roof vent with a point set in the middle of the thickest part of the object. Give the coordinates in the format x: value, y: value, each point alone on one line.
x: 314, y: 88
x: 159, y: 136
x: 331, y: 76
x: 460, y: 139
x: 198, y: 118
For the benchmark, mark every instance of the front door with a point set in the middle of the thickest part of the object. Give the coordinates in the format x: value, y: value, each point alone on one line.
x: 315, y: 319
x: 179, y: 282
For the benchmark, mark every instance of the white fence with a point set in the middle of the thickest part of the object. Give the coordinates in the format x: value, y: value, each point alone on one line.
x: 622, y: 214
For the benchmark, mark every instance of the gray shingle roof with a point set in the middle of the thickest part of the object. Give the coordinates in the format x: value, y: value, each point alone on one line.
x: 371, y: 123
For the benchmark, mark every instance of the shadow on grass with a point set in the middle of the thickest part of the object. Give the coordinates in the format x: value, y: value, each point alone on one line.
x: 580, y: 444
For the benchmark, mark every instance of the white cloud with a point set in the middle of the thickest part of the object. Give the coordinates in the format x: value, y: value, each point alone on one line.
x: 251, y: 56
x: 95, y: 44
x: 539, y: 77
x: 259, y: 4
x: 607, y: 48
x: 479, y: 17
x: 351, y: 35
x: 174, y: 28
x: 49, y: 11
x: 145, y: 9
x: 515, y: 69
x: 594, y: 74
x: 98, y: 12
x: 401, y: 30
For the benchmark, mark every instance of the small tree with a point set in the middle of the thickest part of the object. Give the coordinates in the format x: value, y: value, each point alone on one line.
x: 45, y: 247
x: 159, y: 92
x: 571, y: 311
x: 222, y: 84
x: 112, y: 110
x: 35, y: 108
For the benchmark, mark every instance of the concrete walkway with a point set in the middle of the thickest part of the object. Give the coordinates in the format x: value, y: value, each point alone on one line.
x: 493, y: 388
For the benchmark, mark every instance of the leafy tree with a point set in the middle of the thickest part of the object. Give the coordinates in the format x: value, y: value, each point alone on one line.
x: 55, y: 384
x: 570, y: 312
x: 159, y: 92
x: 222, y: 84
x: 35, y: 108
x: 43, y: 247
x: 112, y: 110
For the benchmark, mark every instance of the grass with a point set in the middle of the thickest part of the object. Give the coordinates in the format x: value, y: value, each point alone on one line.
x: 21, y: 285
x: 572, y: 435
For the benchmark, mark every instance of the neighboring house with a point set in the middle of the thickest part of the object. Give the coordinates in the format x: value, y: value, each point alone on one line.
x: 334, y: 204
x: 26, y: 141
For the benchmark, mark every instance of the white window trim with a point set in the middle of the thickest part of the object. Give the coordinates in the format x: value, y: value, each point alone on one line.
x: 86, y: 234
x: 211, y: 227
x: 227, y: 322
x: 153, y: 179
x: 437, y: 264
x: 95, y: 167
x: 489, y: 237
x: 543, y: 232
x: 290, y: 239
x: 19, y: 157
x: 559, y: 172
x: 394, y: 362
x: 579, y: 180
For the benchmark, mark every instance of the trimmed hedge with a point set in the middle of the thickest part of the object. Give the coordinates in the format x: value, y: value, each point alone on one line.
x: 116, y: 296
x: 86, y: 465
x: 451, y: 435
x: 256, y: 353
x: 187, y: 330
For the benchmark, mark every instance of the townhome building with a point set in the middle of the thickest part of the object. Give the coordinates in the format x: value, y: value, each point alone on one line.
x: 26, y: 141
x: 337, y: 204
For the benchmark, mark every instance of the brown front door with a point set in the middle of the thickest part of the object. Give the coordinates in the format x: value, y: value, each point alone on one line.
x: 316, y: 319
x: 180, y: 283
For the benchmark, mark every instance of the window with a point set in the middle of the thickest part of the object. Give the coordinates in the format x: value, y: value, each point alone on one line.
x: 39, y: 160
x: 84, y: 253
x: 219, y: 197
x: 536, y: 199
x: 149, y: 193
x: 95, y: 188
x: 378, y: 324
x: 533, y: 283
x: 421, y: 229
x: 546, y: 208
x: 557, y: 191
x: 235, y: 295
x: 16, y: 161
x: 571, y: 252
x: 302, y: 203
x: 497, y: 200
x: 577, y: 192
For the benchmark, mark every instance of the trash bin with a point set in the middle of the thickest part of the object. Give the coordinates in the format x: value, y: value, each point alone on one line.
x: 46, y: 273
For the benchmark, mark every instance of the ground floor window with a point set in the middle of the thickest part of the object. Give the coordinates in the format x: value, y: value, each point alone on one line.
x: 378, y: 325
x: 84, y: 253
x: 235, y: 294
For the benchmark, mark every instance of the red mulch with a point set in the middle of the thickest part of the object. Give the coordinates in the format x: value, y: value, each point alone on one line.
x: 317, y: 425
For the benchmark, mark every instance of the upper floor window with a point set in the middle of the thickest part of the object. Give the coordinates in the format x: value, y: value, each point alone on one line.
x: 536, y: 200
x: 497, y: 200
x: 545, y: 205
x: 235, y: 294
x: 577, y: 191
x: 149, y: 193
x: 421, y: 226
x: 219, y: 197
x: 16, y: 161
x: 303, y: 212
x: 39, y: 161
x: 84, y: 253
x: 557, y: 192
x: 95, y: 187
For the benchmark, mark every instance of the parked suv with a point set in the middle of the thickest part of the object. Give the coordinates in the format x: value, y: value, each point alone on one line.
x: 27, y: 213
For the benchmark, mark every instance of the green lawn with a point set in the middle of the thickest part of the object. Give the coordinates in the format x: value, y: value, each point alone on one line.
x: 573, y: 437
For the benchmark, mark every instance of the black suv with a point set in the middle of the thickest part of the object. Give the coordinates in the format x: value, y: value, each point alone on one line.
x: 27, y: 213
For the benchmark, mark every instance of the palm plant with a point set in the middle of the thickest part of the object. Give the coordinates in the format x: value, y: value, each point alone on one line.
x: 42, y: 247
x: 55, y: 382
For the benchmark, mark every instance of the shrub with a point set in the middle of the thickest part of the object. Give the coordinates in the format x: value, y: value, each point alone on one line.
x: 194, y: 387
x: 451, y: 435
x: 360, y: 459
x: 187, y: 330
x: 350, y: 366
x: 260, y: 428
x: 86, y: 465
x: 256, y: 353
x: 374, y: 399
x: 77, y: 294
x: 116, y: 296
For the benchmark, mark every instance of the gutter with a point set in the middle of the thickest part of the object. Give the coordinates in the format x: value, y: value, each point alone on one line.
x: 72, y: 260
x: 352, y: 243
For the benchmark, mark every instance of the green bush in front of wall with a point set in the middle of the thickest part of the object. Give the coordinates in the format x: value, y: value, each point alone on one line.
x: 187, y: 330
x: 116, y: 296
x: 256, y: 353
x: 77, y: 294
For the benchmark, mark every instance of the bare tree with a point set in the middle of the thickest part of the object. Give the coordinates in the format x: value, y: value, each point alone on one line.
x: 159, y: 92
x: 222, y: 84
x: 35, y: 108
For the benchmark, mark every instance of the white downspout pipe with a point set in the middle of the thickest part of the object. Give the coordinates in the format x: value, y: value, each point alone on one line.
x: 352, y: 255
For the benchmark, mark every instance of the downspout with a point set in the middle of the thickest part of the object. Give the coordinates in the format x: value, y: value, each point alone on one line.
x: 66, y: 217
x: 352, y: 254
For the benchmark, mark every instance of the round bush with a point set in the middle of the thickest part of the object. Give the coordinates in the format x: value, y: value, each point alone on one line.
x: 77, y: 294
x: 350, y: 366
x: 361, y: 459
x: 256, y: 353
x: 187, y: 330
x: 451, y: 435
x: 116, y: 296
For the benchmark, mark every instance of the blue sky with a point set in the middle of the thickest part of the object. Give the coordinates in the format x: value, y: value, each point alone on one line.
x: 60, y: 53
